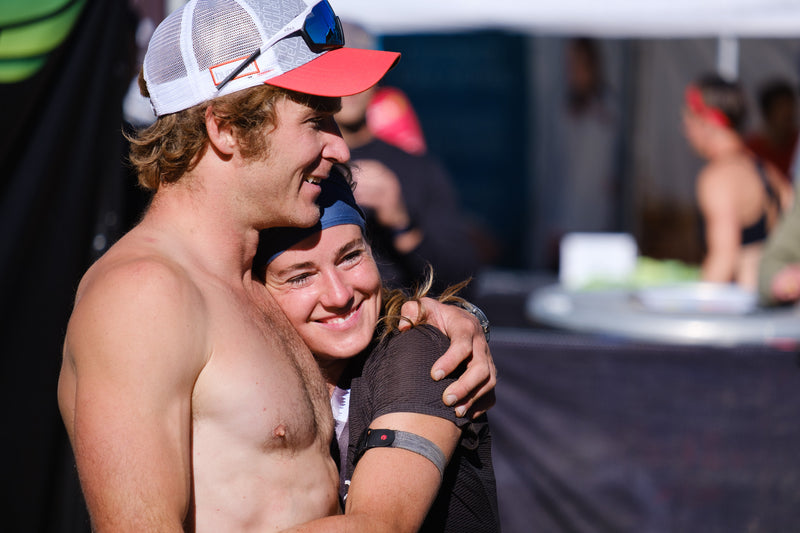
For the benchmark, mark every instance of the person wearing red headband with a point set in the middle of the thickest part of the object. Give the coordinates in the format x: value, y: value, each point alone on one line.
x: 190, y: 402
x: 740, y: 196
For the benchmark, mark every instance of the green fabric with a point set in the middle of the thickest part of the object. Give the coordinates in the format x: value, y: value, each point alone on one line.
x: 14, y: 70
x: 29, y: 30
x: 782, y: 249
x: 16, y: 11
x: 649, y: 272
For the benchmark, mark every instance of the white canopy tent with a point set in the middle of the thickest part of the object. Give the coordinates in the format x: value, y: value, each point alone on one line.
x: 675, y: 40
x: 606, y: 18
x: 726, y: 20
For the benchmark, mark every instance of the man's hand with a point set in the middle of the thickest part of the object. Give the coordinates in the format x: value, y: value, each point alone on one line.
x: 473, y: 392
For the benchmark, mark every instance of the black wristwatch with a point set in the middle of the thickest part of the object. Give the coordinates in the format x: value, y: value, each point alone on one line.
x: 483, y: 320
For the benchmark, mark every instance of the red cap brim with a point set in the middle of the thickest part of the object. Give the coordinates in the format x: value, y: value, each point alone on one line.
x: 339, y: 72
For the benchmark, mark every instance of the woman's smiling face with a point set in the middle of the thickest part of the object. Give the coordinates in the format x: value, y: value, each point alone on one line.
x: 329, y: 287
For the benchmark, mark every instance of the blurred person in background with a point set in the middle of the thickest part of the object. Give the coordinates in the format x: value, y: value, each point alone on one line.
x: 584, y: 164
x: 740, y: 195
x: 413, y: 214
x: 776, y: 139
x: 590, y: 126
x: 779, y: 270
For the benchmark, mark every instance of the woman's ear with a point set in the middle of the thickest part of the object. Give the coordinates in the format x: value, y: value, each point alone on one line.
x: 219, y: 135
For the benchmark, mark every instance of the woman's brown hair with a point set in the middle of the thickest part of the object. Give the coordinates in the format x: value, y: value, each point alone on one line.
x: 393, y: 300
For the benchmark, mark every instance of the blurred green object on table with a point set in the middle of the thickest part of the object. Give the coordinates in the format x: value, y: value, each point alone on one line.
x: 649, y: 272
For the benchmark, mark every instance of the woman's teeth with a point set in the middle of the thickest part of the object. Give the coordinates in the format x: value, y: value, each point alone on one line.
x: 339, y: 319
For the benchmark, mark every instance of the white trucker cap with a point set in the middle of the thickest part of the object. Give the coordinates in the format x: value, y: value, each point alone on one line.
x: 294, y: 44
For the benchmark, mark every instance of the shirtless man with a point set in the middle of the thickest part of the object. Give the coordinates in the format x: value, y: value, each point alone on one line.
x: 190, y: 402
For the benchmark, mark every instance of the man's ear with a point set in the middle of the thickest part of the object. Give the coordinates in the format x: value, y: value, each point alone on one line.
x: 219, y: 135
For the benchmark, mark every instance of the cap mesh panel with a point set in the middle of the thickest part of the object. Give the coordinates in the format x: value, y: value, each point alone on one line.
x: 272, y: 17
x: 165, y: 48
x: 219, y: 38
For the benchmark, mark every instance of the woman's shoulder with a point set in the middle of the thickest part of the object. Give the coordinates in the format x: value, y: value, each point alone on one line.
x: 731, y: 165
x: 723, y: 180
x: 421, y: 343
x: 418, y: 334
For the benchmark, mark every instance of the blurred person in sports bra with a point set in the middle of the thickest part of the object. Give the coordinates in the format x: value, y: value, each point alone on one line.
x: 740, y: 196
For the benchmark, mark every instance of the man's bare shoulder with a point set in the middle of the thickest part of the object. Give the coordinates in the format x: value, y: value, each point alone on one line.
x: 134, y: 296
x: 134, y: 347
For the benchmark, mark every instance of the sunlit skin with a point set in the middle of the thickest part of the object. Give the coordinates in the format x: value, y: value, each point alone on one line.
x: 303, y: 148
x: 329, y: 287
x: 190, y: 402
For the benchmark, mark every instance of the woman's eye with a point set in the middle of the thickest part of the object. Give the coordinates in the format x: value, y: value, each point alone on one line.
x: 352, y: 256
x: 299, y: 279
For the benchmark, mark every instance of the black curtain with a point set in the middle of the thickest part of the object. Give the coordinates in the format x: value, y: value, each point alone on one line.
x: 65, y: 198
x: 600, y: 435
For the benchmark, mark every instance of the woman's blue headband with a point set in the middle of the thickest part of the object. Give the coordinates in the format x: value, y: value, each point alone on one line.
x: 337, y: 206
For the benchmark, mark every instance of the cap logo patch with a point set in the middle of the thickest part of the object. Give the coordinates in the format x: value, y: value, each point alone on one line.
x: 220, y: 72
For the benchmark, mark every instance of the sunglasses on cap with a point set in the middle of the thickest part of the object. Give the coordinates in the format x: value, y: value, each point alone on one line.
x: 319, y: 26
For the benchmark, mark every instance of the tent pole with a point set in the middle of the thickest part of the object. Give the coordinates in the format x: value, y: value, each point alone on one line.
x: 728, y: 57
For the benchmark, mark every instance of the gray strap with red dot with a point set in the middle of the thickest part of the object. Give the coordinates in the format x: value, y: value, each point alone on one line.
x: 389, y: 438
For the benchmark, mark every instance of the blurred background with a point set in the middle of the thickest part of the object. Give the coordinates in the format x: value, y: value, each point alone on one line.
x: 550, y: 120
x: 492, y: 84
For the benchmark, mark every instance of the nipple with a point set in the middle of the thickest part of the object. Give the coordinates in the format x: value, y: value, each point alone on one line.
x: 280, y: 431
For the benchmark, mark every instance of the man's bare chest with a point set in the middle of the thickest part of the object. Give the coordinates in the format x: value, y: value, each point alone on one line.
x: 261, y: 385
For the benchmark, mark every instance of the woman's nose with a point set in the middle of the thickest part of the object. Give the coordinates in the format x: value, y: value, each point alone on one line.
x: 337, y: 292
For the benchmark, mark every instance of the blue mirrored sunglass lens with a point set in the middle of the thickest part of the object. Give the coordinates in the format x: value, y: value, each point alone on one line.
x: 323, y: 26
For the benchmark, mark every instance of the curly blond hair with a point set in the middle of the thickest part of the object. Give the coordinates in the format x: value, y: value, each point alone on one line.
x: 172, y: 146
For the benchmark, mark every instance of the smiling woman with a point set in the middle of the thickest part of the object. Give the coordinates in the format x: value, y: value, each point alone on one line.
x: 395, y: 436
x: 326, y: 282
